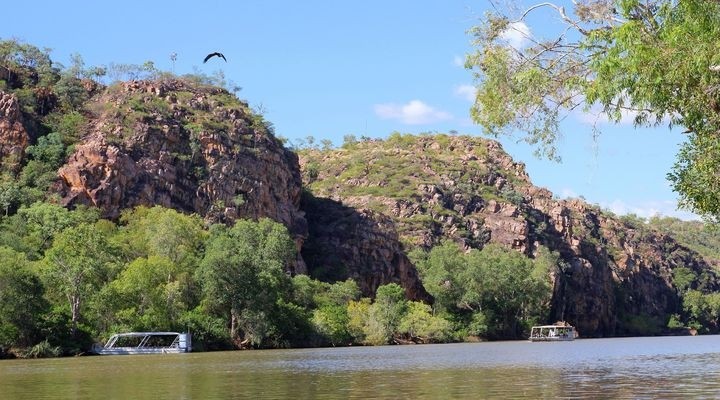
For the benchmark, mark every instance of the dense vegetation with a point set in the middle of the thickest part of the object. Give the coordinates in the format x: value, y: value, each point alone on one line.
x: 656, y: 61
x: 703, y: 238
x: 492, y: 293
x: 69, y: 277
x: 409, y: 170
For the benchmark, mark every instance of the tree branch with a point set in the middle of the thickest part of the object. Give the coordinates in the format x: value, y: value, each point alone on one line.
x: 560, y: 10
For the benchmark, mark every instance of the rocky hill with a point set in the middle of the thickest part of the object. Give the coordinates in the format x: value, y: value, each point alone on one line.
x: 615, y: 274
x: 185, y: 145
x: 355, y: 212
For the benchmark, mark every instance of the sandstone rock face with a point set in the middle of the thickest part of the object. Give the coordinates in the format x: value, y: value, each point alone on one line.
x: 198, y: 149
x: 13, y: 136
x: 186, y: 147
x: 345, y: 242
x: 470, y: 191
x: 614, y: 271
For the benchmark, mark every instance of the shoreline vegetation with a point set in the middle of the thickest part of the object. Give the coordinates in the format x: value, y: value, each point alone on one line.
x: 69, y: 278
x: 158, y: 269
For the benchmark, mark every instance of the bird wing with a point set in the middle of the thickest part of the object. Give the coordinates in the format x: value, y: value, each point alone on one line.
x: 223, y: 56
x: 208, y: 57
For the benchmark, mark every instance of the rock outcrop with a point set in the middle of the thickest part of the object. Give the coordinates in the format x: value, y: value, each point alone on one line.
x: 14, y: 139
x: 360, y: 244
x: 199, y: 149
x: 469, y: 190
x: 185, y: 146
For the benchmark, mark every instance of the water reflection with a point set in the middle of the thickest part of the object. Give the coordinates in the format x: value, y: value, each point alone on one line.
x: 603, y: 368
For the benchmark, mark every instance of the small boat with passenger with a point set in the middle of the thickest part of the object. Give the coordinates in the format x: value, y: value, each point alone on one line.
x: 552, y: 333
x: 145, y: 343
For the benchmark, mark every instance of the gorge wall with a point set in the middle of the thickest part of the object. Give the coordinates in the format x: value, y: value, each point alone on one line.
x: 356, y: 211
x: 468, y: 190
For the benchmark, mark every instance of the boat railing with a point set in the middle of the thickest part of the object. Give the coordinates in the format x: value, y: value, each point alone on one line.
x: 552, y: 332
x: 146, y: 343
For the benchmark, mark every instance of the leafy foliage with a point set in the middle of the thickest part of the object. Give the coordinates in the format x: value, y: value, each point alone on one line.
x: 655, y: 60
x: 21, y: 300
x: 696, y: 235
x: 243, y: 273
x: 79, y: 272
x: 499, y: 292
x: 703, y: 308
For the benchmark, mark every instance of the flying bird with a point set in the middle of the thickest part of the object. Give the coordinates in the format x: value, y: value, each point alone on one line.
x: 213, y: 55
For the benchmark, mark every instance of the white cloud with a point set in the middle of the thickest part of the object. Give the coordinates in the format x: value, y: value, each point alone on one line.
x: 466, y: 91
x: 643, y: 209
x: 459, y: 61
x: 516, y: 35
x: 568, y: 193
x: 594, y: 116
x: 413, y: 113
x: 647, y: 209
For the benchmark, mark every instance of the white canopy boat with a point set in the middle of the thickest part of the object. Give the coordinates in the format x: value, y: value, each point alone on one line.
x: 145, y: 343
x: 552, y: 333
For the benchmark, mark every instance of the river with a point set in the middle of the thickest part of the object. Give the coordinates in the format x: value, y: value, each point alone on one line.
x: 621, y: 368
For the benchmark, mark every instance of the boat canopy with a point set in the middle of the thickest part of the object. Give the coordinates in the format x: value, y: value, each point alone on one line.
x: 146, y: 343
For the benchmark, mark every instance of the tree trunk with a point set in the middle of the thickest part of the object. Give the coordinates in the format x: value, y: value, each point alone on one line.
x: 75, y: 313
x: 234, y: 337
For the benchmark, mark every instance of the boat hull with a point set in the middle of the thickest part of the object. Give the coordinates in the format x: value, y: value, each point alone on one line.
x: 116, y: 351
x: 552, y: 339
x: 145, y: 343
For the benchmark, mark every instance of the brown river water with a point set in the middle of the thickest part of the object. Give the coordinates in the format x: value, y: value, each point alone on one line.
x: 622, y: 368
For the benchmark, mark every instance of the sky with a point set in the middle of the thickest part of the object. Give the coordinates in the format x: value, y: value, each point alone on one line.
x: 327, y: 69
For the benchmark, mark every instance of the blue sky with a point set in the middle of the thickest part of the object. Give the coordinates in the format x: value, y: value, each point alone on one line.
x: 332, y: 68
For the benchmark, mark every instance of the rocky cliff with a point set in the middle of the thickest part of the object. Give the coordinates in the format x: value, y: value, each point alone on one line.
x: 358, y: 243
x: 197, y: 148
x: 14, y: 137
x: 613, y: 273
x: 185, y: 146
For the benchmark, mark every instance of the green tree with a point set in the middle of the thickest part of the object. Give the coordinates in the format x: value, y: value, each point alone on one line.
x: 703, y: 308
x: 305, y: 291
x: 25, y: 65
x: 349, y: 141
x: 149, y: 294
x: 71, y: 126
x: 359, y: 314
x: 69, y: 88
x: 22, y: 301
x: 10, y: 195
x: 330, y: 316
x: 162, y: 232
x: 497, y: 292
x: 385, y: 313
x: 328, y: 304
x: 80, y: 261
x: 44, y: 220
x: 420, y: 325
x: 331, y: 321
x: 683, y: 278
x: 341, y: 293
x: 326, y: 144
x: 657, y: 60
x: 243, y: 275
x: 40, y: 170
x: 441, y: 271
